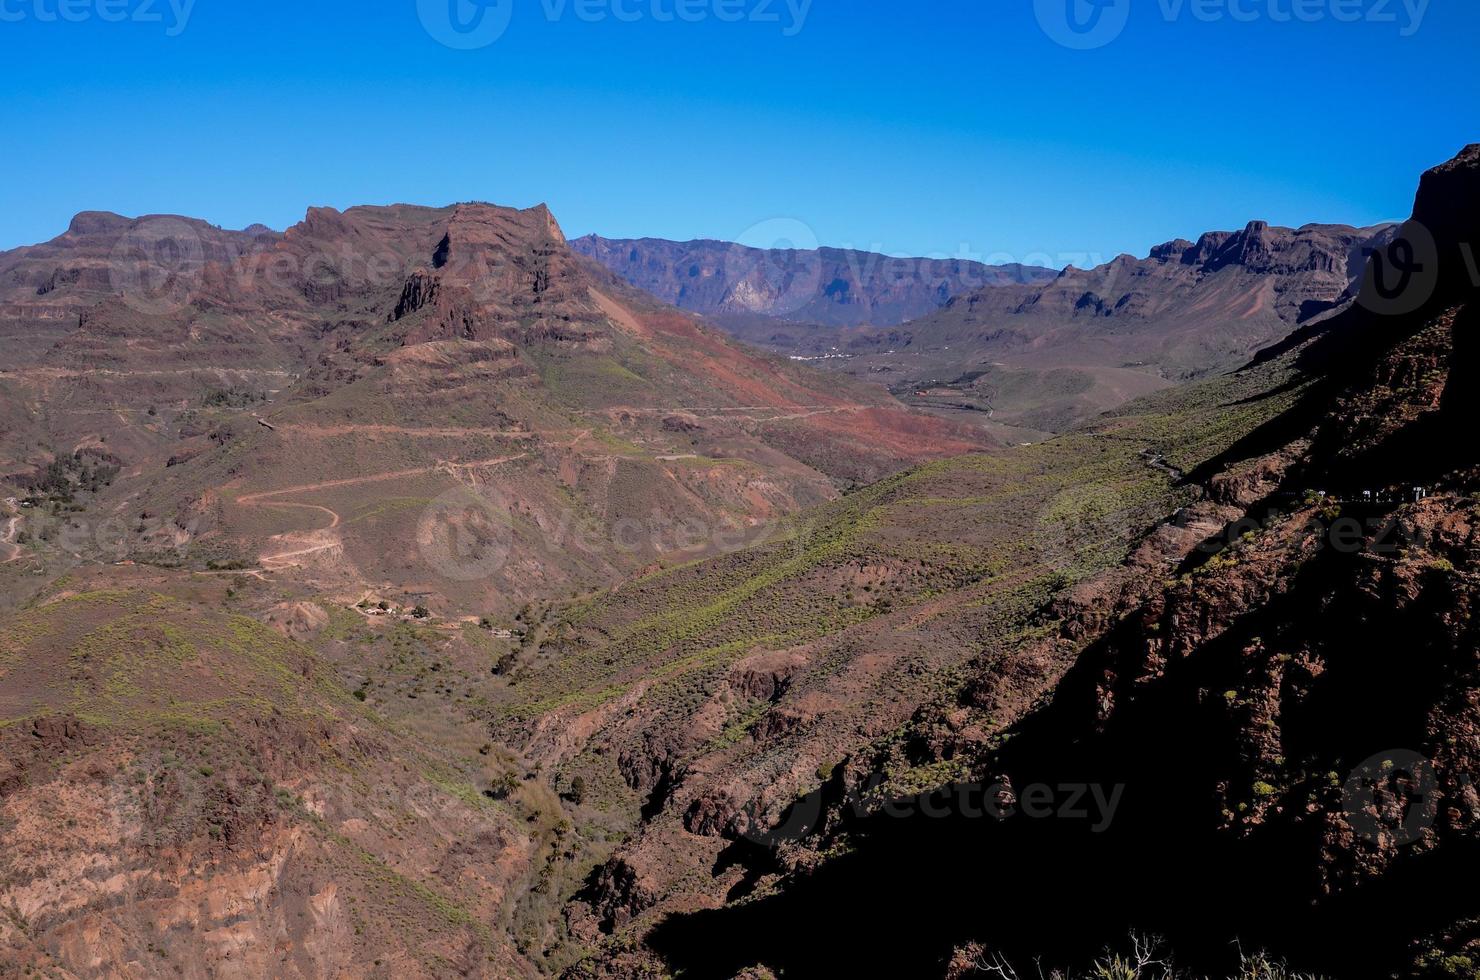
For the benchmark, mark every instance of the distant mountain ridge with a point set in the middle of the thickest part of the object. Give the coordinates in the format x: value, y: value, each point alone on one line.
x: 829, y: 286
x: 1190, y: 306
x: 1044, y: 356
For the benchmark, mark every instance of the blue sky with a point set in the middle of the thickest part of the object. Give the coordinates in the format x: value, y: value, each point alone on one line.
x: 954, y: 127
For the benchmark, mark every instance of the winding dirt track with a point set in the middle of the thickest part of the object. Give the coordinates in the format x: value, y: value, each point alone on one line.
x: 790, y: 411
x: 421, y: 431
x: 263, y: 499
x: 8, y: 540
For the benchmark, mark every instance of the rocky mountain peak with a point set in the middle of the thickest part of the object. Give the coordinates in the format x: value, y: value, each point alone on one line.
x: 96, y: 222
x: 1448, y: 201
x: 1174, y: 250
x: 552, y: 227
x: 1433, y: 261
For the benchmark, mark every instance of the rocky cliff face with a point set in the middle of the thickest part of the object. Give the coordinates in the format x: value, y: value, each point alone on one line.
x: 45, y: 288
x: 1187, y: 308
x: 1223, y: 639
x: 1317, y: 658
x: 500, y: 273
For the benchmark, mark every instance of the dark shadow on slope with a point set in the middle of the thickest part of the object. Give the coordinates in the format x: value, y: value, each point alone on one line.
x: 1291, y: 424
x: 917, y: 886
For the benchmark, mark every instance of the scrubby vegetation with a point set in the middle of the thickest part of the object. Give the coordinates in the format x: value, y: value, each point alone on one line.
x: 1145, y: 959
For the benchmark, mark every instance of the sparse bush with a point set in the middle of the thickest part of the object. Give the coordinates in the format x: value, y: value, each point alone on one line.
x: 1145, y: 961
x: 503, y: 786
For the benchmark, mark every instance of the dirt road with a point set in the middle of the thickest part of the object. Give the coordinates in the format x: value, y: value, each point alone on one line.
x: 7, y: 540
x: 323, y: 539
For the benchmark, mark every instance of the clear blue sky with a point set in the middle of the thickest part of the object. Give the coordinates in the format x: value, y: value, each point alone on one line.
x: 912, y: 128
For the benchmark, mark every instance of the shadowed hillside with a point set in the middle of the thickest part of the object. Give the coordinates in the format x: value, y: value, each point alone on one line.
x: 1288, y: 716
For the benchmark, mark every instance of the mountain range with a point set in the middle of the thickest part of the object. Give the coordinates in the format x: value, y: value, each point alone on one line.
x: 832, y: 287
x: 411, y: 594
x: 1026, y: 352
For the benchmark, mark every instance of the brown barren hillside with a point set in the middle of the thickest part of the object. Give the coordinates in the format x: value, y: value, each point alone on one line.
x: 339, y: 401
x: 200, y: 795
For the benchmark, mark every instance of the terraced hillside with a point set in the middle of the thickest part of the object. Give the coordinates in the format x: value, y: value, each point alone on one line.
x: 406, y: 595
